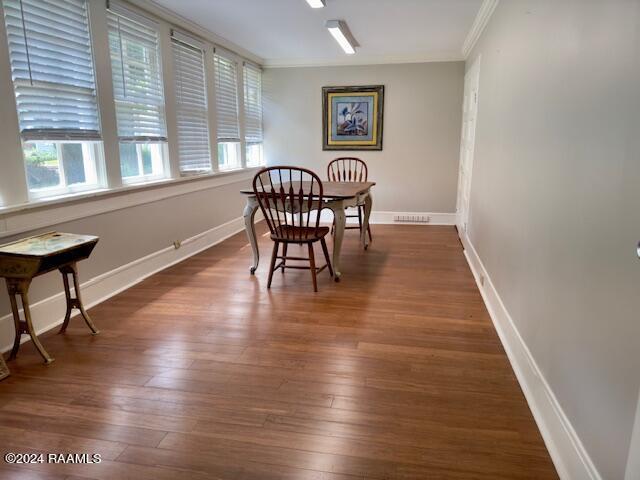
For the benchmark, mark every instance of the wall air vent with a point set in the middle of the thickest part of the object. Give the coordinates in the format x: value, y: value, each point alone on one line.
x: 411, y: 218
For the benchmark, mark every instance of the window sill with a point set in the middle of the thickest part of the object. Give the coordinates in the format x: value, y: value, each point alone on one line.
x: 40, y: 213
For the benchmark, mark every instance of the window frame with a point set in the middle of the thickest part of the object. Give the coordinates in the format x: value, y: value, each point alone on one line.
x: 248, y: 145
x: 245, y: 92
x: 92, y: 149
x: 145, y: 177
x: 239, y: 81
x: 121, y: 11
x: 92, y: 146
x: 237, y: 146
x: 189, y: 41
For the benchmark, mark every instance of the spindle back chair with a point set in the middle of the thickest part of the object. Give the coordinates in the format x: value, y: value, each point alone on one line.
x: 347, y: 169
x: 350, y: 169
x: 291, y: 199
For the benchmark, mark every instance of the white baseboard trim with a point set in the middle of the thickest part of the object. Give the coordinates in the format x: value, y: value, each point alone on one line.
x: 49, y: 313
x: 386, y: 218
x: 633, y: 459
x: 567, y: 451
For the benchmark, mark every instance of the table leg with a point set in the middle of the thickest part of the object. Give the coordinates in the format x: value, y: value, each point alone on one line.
x: 16, y: 320
x: 250, y: 210
x: 76, y: 302
x: 4, y: 370
x: 340, y: 222
x: 368, y: 202
x: 21, y: 287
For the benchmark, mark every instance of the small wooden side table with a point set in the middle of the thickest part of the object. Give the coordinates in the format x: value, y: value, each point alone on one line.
x: 22, y: 261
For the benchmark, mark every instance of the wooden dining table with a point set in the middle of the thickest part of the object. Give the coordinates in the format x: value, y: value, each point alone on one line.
x: 336, y: 197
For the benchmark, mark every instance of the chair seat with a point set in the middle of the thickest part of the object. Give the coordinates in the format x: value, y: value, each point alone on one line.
x: 288, y: 233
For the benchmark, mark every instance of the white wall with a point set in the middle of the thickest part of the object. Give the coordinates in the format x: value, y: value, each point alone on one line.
x: 554, y: 202
x: 417, y: 169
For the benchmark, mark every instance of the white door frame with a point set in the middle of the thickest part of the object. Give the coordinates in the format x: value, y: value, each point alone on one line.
x: 467, y: 144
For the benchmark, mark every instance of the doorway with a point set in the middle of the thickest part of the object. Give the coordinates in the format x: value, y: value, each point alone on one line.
x: 467, y: 144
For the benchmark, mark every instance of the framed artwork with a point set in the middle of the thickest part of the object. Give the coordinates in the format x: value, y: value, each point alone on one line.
x: 352, y: 118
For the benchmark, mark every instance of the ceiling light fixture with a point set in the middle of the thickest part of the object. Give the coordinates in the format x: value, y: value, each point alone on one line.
x: 341, y: 33
x: 316, y: 3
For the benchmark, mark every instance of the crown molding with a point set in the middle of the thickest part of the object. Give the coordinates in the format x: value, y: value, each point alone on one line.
x: 154, y: 8
x: 482, y: 18
x: 362, y: 60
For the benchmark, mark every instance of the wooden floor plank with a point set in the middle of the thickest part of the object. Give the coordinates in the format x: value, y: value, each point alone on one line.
x: 201, y: 372
x: 21, y: 439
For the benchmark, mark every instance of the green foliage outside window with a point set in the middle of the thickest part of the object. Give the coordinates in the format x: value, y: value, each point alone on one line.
x: 41, y: 158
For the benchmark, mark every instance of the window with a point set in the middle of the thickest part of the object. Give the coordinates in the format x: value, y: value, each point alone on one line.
x: 191, y: 102
x: 138, y: 93
x: 53, y: 78
x: 52, y: 166
x: 227, y: 112
x: 216, y: 110
x: 253, y: 114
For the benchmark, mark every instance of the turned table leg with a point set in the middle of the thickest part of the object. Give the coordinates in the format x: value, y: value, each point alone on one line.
x: 340, y: 223
x: 249, y: 224
x: 365, y: 228
x: 4, y: 370
x: 21, y: 287
x: 17, y: 323
x: 72, y: 302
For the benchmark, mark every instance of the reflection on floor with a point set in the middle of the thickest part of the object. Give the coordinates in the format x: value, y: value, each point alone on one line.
x: 200, y: 372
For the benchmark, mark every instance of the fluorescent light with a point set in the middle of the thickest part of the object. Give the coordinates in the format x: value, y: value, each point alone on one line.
x: 316, y: 3
x: 343, y: 36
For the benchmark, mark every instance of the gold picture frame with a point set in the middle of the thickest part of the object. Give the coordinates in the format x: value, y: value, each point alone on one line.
x: 352, y: 117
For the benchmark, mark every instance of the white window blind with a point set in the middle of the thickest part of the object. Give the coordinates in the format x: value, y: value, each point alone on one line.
x: 191, y: 99
x: 137, y: 78
x: 52, y: 69
x: 227, y: 99
x: 253, y: 103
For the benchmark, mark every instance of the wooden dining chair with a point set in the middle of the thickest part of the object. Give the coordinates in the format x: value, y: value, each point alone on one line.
x: 350, y: 169
x: 291, y: 199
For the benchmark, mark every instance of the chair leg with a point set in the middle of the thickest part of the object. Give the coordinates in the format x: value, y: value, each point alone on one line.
x: 284, y: 255
x: 326, y: 255
x: 273, y: 262
x: 312, y: 261
x: 360, y: 218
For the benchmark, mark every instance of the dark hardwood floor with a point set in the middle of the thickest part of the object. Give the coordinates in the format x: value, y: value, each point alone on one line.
x: 200, y: 372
